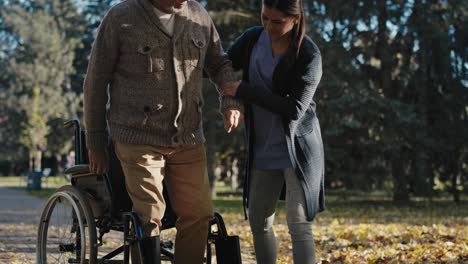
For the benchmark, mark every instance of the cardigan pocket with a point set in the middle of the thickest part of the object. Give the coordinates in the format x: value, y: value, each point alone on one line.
x: 310, y: 141
x: 304, y: 129
x: 306, y: 125
x: 154, y: 63
x: 152, y: 114
x: 310, y: 147
x: 196, y: 49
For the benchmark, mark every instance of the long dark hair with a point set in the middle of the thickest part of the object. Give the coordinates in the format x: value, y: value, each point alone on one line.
x: 292, y: 8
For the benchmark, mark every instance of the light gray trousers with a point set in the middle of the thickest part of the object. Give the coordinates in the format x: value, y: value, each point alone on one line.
x: 265, y: 189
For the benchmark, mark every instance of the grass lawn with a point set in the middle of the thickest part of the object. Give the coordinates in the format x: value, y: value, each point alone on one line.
x: 369, y: 228
x: 48, y: 186
x: 355, y: 228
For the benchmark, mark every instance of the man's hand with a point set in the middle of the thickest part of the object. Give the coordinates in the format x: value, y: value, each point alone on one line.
x: 230, y: 88
x: 232, y: 118
x: 98, y: 161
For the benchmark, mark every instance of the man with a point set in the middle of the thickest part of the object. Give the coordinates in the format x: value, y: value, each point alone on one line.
x: 147, y: 62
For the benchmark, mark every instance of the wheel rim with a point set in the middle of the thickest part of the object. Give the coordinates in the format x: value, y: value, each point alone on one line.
x: 62, y: 234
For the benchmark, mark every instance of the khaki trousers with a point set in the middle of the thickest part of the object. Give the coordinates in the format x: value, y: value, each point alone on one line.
x: 183, y: 169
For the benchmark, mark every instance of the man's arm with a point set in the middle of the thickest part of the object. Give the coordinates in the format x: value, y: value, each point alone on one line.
x: 219, y: 69
x: 104, y: 55
x: 236, y: 52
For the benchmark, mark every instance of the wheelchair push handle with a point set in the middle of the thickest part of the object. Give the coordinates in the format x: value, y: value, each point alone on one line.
x: 221, y: 226
x: 73, y: 122
x: 80, y: 157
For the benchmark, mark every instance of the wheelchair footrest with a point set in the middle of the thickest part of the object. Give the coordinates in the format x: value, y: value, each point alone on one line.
x: 228, y: 250
x: 227, y: 247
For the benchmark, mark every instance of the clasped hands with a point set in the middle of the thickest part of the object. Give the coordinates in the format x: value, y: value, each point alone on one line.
x: 232, y: 116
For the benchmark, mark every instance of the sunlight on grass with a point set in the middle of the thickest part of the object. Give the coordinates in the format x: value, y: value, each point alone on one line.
x: 48, y: 185
x: 363, y: 228
x: 355, y: 228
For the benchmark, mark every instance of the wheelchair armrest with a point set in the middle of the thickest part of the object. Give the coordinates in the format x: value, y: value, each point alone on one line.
x: 78, y: 169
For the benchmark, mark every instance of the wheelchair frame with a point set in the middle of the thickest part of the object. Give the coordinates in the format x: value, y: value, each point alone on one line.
x: 87, y: 194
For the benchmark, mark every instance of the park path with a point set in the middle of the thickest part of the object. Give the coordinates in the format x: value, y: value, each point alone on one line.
x: 19, y: 216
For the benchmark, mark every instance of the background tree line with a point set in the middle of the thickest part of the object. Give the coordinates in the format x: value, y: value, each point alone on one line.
x: 392, y: 101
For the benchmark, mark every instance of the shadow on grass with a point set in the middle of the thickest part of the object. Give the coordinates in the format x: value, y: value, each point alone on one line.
x: 420, y: 212
x: 359, y: 210
x: 359, y: 207
x: 228, y: 205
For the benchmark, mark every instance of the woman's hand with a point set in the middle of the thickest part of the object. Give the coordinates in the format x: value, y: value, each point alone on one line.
x: 230, y: 88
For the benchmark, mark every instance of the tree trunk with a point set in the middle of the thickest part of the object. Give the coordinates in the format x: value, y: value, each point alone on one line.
x: 38, y: 161
x: 35, y: 158
x: 422, y: 174
x: 31, y: 162
x: 235, y: 174
x: 210, y: 159
x: 455, y: 192
x: 400, y: 182
x: 228, y: 169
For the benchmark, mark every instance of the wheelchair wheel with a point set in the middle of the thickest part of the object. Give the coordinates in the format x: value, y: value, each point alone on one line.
x: 67, y: 232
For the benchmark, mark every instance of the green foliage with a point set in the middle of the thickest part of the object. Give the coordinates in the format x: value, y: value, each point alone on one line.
x: 35, y: 129
x: 393, y: 94
x: 392, y: 100
x: 45, y: 34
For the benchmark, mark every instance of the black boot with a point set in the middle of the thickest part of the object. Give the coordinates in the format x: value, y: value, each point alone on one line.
x: 151, y: 250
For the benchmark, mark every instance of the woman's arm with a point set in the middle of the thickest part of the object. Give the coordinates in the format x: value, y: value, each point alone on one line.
x: 296, y: 103
x: 238, y: 48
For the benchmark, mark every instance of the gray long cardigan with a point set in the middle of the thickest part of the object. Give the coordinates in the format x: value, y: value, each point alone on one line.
x: 295, y: 81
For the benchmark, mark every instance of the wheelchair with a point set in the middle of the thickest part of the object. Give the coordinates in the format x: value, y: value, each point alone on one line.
x: 76, y: 217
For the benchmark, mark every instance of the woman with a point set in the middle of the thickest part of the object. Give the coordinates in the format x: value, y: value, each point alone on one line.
x: 281, y: 70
